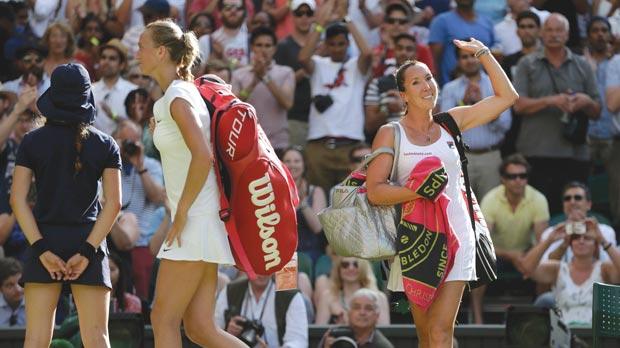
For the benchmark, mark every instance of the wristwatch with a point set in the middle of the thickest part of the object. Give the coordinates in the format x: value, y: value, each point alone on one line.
x: 346, y: 19
x: 266, y: 79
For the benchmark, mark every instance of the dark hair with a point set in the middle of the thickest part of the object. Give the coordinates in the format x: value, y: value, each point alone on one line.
x: 396, y: 7
x: 359, y: 146
x: 81, y: 133
x: 299, y: 150
x: 263, y: 31
x: 515, y: 159
x: 123, y: 278
x: 399, y: 74
x: 90, y: 17
x: 597, y: 19
x: 336, y: 29
x: 8, y: 268
x: 194, y: 19
x: 182, y: 47
x: 578, y: 184
x: 528, y: 14
x: 402, y: 36
x: 6, y: 12
x: 132, y: 96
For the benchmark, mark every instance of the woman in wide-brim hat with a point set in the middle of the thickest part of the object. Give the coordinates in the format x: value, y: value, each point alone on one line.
x: 67, y: 228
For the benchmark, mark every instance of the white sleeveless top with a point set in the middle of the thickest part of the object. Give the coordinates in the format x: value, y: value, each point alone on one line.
x: 444, y: 148
x: 175, y: 155
x: 575, y: 301
x: 204, y: 236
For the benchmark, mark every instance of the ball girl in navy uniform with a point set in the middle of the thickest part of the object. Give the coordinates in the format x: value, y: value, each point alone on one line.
x: 67, y: 227
x: 197, y: 241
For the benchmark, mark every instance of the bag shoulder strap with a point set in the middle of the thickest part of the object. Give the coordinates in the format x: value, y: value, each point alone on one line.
x: 235, y: 291
x: 446, y: 121
x: 225, y: 212
x: 396, y: 145
x: 394, y: 151
x: 555, y: 86
x: 282, y: 301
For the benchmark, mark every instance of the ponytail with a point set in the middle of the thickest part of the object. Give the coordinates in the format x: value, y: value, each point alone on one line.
x: 182, y: 47
x: 189, y: 56
x: 81, y: 133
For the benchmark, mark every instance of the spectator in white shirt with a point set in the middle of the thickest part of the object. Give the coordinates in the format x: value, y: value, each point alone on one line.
x: 244, y: 301
x: 508, y: 41
x: 232, y: 39
x: 111, y: 90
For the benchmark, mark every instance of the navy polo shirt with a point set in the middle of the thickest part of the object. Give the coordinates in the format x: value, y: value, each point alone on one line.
x: 64, y: 197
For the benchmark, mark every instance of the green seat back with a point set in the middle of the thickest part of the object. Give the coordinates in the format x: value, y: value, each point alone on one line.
x: 605, y: 312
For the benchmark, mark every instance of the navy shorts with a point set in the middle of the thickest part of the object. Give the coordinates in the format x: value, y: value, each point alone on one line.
x: 65, y: 241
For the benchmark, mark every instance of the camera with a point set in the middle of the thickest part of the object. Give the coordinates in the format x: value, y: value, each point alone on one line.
x: 578, y: 227
x: 252, y: 330
x: 344, y: 337
x: 322, y: 102
x: 130, y: 148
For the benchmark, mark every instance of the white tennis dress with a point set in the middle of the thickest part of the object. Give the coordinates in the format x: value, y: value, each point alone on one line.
x: 204, y: 237
x: 464, y: 267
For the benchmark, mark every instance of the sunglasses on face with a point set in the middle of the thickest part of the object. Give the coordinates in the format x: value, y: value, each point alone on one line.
x: 347, y: 264
x: 32, y: 59
x: 231, y: 7
x: 577, y: 198
x: 357, y: 159
x: 585, y: 237
x: 303, y: 13
x: 521, y: 176
x: 527, y: 26
x: 400, y: 21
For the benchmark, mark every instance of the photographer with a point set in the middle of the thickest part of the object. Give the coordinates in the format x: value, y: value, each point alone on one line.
x: 143, y: 192
x: 336, y: 121
x: 363, y: 316
x: 573, y: 280
x: 260, y: 316
x: 576, y: 201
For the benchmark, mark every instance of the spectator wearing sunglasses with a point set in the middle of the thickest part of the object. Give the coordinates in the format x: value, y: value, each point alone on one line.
x: 231, y: 41
x: 286, y: 54
x: 12, y: 305
x: 397, y: 20
x: 516, y: 214
x: 577, y: 205
x: 29, y: 63
x: 348, y: 274
x: 573, y: 278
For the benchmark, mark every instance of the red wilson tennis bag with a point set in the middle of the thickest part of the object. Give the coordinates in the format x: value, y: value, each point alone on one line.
x: 257, y: 193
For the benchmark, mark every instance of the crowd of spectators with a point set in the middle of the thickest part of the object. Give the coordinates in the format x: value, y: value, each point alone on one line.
x: 319, y: 74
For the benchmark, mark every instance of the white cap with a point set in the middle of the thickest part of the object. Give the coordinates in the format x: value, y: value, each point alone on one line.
x: 296, y: 3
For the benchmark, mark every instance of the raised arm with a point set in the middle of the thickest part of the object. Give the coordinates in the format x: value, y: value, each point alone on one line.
x: 365, y: 57
x: 322, y: 16
x: 543, y: 272
x: 488, y: 109
x: 7, y: 124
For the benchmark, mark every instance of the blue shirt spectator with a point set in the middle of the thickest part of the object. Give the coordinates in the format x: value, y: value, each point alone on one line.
x: 485, y: 136
x: 12, y: 307
x: 495, y: 10
x: 602, y: 128
x: 451, y: 25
